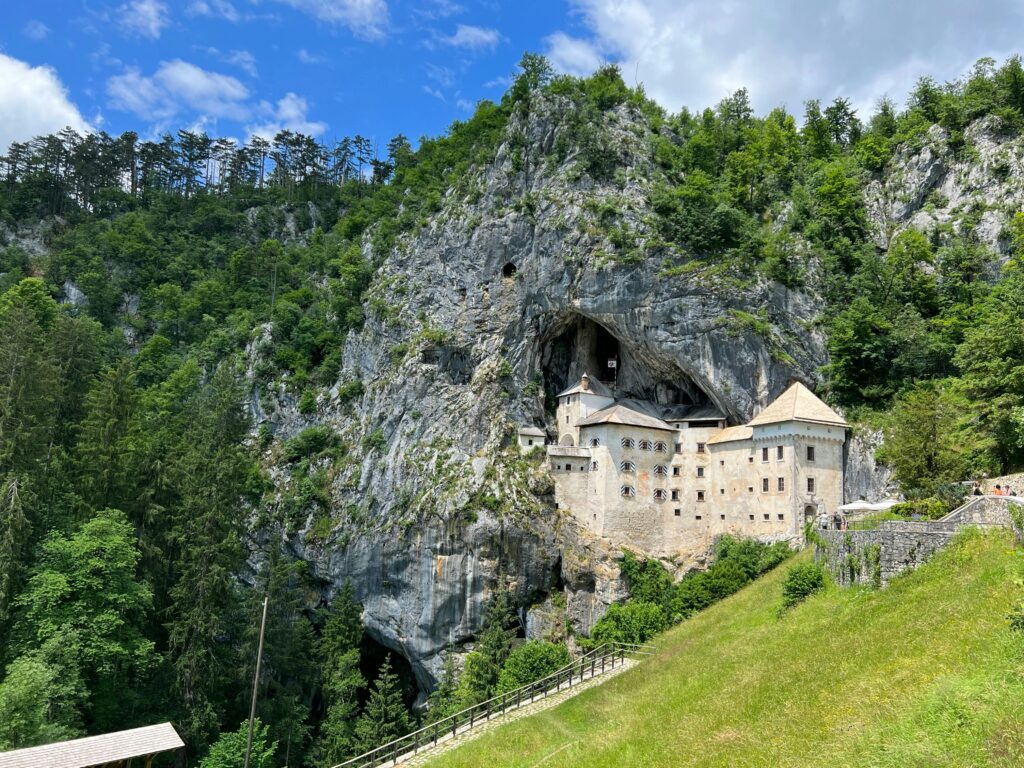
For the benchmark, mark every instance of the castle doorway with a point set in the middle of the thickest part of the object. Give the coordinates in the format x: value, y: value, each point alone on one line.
x: 566, y: 440
x: 810, y: 512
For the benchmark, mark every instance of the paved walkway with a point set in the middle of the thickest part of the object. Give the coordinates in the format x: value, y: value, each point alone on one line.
x: 539, y: 704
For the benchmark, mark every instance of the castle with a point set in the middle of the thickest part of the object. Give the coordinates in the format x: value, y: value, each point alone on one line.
x: 668, y: 479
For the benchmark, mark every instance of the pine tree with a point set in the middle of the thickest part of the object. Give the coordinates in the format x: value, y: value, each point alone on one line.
x: 444, y: 700
x: 342, y: 681
x: 483, y: 666
x: 14, y: 534
x: 385, y: 717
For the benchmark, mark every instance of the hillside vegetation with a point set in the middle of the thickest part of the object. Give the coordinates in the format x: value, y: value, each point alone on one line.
x: 924, y: 673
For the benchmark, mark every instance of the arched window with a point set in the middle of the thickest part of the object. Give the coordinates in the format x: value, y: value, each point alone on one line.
x: 595, y: 442
x: 660, y: 469
x: 628, y: 491
x: 659, y: 494
x: 661, y: 447
x: 627, y: 466
x: 646, y: 445
x: 627, y: 442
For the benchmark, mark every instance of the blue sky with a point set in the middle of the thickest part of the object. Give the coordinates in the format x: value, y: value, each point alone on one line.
x: 380, y: 67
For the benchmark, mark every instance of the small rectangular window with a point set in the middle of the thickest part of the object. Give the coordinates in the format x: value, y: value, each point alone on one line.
x: 810, y: 453
x: 700, y: 495
x: 781, y: 516
x: 701, y: 448
x: 810, y: 485
x: 721, y: 517
x: 675, y: 471
x: 782, y: 484
x: 766, y: 516
x: 751, y: 517
x: 750, y: 489
x: 779, y: 453
x: 764, y: 485
x: 697, y: 517
x: 679, y: 447
x: 721, y: 462
x: 750, y: 459
x: 678, y: 512
x: 675, y: 495
x: 530, y: 442
x: 764, y: 454
x: 721, y: 491
x: 700, y: 471
x: 568, y: 467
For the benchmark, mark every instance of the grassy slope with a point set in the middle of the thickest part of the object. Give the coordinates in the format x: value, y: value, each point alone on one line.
x: 924, y: 673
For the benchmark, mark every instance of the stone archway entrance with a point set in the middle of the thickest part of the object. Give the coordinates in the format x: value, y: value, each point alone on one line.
x: 566, y: 440
x: 810, y: 512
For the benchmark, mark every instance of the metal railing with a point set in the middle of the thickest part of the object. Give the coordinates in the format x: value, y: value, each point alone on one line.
x: 605, y: 657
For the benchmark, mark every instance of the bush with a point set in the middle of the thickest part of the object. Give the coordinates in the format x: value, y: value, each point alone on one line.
x: 801, y: 582
x: 928, y: 509
x: 634, y: 622
x: 531, y: 661
x: 309, y: 442
x: 307, y: 403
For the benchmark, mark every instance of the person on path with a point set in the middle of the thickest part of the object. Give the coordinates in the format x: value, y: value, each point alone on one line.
x: 998, y: 491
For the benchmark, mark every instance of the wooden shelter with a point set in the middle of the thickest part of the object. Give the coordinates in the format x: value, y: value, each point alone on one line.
x: 134, y: 748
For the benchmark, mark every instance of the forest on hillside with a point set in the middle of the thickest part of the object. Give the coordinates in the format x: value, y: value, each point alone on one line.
x: 131, y: 478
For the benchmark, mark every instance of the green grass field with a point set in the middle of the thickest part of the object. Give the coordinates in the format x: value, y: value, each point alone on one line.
x: 923, y: 673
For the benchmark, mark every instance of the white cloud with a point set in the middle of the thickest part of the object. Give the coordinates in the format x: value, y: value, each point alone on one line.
x: 215, y: 8
x: 465, y: 105
x: 366, y: 18
x: 310, y: 58
x: 143, y: 18
x: 179, y: 86
x: 290, y: 113
x: 473, y: 38
x: 433, y: 92
x: 572, y: 55
x: 35, y: 30
x: 33, y: 102
x: 439, y: 9
x: 244, y: 60
x: 693, y: 53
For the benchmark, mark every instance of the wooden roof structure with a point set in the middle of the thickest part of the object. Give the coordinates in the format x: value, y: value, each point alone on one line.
x: 111, y: 750
x: 798, y: 403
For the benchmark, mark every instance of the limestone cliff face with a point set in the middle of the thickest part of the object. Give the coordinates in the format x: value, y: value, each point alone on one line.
x: 515, y: 287
x: 509, y: 293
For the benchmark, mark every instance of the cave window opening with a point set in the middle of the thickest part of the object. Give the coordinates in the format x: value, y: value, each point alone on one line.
x: 508, y: 270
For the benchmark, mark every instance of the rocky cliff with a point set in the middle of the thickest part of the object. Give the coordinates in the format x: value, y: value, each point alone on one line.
x: 530, y: 273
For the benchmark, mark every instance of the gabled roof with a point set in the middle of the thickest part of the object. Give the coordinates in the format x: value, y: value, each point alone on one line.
x: 622, y: 414
x: 798, y: 403
x: 96, y: 750
x: 596, y: 388
x: 526, y: 429
x: 732, y: 434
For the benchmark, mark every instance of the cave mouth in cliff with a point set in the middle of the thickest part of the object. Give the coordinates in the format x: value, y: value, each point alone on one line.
x: 372, y: 655
x: 575, y: 344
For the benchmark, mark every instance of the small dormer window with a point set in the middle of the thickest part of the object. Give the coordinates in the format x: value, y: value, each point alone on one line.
x: 661, y: 470
x: 627, y: 466
x: 660, y: 447
x: 627, y: 491
x: 595, y: 442
x: 646, y: 445
x: 628, y: 442
x: 659, y: 494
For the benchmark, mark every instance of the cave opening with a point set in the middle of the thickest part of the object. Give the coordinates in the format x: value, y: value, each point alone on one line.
x: 508, y: 270
x: 575, y: 344
x: 372, y: 655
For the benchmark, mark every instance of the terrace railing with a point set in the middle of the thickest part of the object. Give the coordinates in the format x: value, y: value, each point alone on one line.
x: 591, y: 664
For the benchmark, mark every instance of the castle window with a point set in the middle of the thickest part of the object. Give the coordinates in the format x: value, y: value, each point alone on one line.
x: 810, y: 453
x: 679, y: 447
x: 660, y: 470
x: 766, y: 517
x: 627, y: 442
x: 782, y: 516
x: 764, y: 485
x: 675, y: 471
x: 568, y: 467
x: 810, y: 485
x: 660, y: 447
x: 764, y: 454
x: 559, y: 466
x: 750, y: 489
x: 702, y: 448
x: 700, y: 471
x: 751, y: 517
x: 593, y: 466
x: 721, y: 517
x: 675, y: 495
x: 696, y: 517
x: 782, y: 484
x: 780, y: 453
x: 529, y: 442
x: 595, y: 442
x: 677, y: 512
x: 700, y: 495
x: 721, y: 462
x: 627, y: 466
x: 721, y: 491
x: 750, y: 459
x: 646, y: 445
x: 628, y: 491
x: 659, y: 494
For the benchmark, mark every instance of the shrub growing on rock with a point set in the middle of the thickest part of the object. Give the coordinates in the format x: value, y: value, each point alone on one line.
x: 531, y: 661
